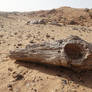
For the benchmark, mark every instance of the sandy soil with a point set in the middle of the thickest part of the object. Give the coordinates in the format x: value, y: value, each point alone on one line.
x: 18, y: 76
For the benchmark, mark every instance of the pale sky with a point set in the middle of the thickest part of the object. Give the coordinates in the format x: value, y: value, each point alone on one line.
x: 32, y: 5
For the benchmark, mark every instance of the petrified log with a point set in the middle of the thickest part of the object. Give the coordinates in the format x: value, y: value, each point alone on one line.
x: 72, y: 52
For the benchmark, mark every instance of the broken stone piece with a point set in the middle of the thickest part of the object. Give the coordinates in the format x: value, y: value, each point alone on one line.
x: 39, y: 21
x: 55, y: 23
x: 72, y: 52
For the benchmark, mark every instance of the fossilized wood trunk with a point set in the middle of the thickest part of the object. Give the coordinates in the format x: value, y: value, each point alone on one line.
x: 72, y: 52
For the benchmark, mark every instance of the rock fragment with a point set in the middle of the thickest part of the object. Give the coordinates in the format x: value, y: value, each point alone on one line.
x: 39, y: 21
x: 55, y: 23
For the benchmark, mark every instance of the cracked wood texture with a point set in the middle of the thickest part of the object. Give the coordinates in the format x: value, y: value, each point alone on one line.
x: 72, y: 52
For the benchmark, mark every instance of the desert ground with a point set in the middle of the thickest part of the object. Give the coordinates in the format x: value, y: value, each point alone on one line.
x: 15, y: 32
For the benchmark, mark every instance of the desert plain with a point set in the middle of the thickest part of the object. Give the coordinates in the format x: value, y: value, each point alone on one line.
x: 17, y: 30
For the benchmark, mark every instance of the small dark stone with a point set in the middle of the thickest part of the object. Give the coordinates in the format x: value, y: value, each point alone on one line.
x: 17, y: 47
x: 47, y: 35
x: 52, y: 30
x: 15, y: 33
x: 10, y: 87
x: 9, y: 69
x: 73, y: 22
x: 8, y: 44
x: 2, y: 26
x: 14, y: 45
x: 19, y: 44
x: 53, y: 38
x: 60, y: 41
x: 38, y: 33
x: 31, y: 41
x: 35, y: 90
x: 1, y: 36
x: 64, y: 81
x: 42, y: 39
x: 18, y: 76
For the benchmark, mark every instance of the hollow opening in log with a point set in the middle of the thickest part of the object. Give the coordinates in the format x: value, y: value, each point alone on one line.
x: 74, y: 51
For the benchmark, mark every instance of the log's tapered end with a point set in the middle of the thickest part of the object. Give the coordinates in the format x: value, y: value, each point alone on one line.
x: 17, y: 54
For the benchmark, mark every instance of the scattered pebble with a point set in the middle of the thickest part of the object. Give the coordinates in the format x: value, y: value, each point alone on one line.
x: 10, y: 87
x: 31, y: 41
x: 10, y: 69
x: 19, y: 44
x: 64, y: 82
x: 47, y: 35
x: 17, y: 76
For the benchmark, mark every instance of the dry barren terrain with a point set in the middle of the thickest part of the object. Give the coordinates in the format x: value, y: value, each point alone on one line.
x: 15, y: 33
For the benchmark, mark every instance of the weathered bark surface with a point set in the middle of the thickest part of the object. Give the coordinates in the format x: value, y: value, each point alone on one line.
x: 72, y: 52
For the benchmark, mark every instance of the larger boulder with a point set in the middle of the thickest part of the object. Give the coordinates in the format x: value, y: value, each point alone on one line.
x: 72, y: 52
